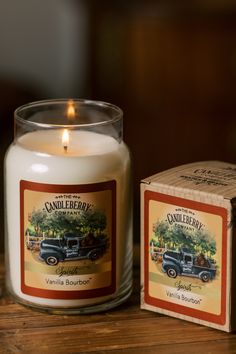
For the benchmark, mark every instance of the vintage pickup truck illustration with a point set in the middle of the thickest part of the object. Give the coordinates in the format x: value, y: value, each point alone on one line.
x: 72, y: 247
x: 186, y: 263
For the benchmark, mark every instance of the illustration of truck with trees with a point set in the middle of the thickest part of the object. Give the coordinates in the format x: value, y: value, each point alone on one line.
x: 72, y: 247
x: 61, y: 237
x: 184, y: 252
x: 186, y: 263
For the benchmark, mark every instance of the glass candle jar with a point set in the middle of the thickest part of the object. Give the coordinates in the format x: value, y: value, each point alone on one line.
x: 68, y: 237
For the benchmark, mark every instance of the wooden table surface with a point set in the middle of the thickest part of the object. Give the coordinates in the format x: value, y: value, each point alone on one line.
x: 126, y: 329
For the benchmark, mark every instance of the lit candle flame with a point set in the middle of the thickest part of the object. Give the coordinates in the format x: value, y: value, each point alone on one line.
x: 70, y: 110
x: 65, y: 139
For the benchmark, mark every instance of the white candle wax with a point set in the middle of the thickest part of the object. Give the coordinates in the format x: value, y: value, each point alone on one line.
x: 90, y: 158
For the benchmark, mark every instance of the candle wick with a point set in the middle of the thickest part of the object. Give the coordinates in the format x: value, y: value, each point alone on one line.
x: 65, y: 148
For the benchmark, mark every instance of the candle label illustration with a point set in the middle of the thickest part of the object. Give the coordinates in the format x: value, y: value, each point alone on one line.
x: 186, y: 252
x: 68, y: 240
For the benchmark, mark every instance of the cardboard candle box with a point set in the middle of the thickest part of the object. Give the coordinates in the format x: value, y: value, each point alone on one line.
x: 188, y: 253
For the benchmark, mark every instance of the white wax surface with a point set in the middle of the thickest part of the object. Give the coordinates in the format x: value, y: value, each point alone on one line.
x: 81, y: 143
x: 90, y: 158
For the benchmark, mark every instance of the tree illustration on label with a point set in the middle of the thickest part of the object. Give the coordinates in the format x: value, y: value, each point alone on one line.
x: 187, y: 251
x: 64, y: 237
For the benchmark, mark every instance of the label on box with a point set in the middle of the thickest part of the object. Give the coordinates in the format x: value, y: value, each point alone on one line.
x: 68, y: 240
x: 185, y: 256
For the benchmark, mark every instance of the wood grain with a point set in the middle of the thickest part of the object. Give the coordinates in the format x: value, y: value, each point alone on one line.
x: 126, y: 329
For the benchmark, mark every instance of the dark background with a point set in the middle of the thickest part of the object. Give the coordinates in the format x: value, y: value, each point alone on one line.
x: 170, y: 65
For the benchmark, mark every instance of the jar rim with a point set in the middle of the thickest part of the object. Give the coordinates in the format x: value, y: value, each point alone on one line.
x: 117, y: 113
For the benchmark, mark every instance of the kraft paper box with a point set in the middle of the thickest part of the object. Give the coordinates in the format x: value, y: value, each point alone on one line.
x: 188, y: 253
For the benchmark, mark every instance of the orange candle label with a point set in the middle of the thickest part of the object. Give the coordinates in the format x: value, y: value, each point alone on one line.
x: 185, y: 256
x: 68, y: 240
